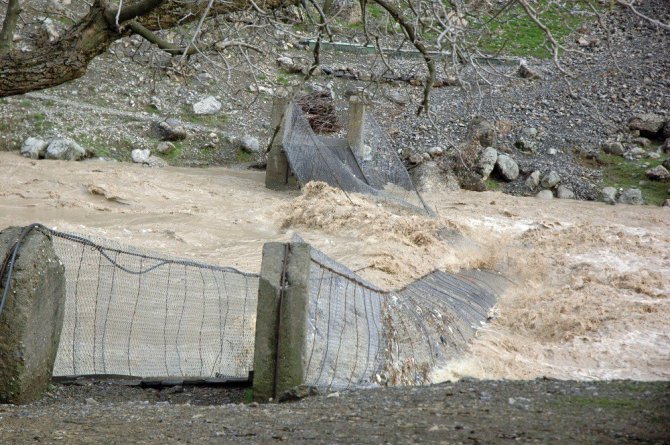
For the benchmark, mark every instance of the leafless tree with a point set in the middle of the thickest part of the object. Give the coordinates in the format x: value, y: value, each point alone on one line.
x: 448, y: 34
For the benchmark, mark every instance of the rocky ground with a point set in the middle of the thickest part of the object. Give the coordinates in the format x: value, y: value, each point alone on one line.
x: 466, y: 412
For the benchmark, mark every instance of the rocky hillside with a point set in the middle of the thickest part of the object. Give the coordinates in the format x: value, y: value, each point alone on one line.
x: 597, y: 128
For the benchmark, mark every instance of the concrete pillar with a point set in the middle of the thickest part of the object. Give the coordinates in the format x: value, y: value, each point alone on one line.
x: 356, y: 132
x: 278, y: 175
x: 292, y: 351
x: 267, y: 320
x: 32, y: 318
x: 281, y: 319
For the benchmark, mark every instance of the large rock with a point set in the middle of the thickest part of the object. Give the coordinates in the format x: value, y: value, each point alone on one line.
x: 507, y: 168
x: 658, y: 173
x: 32, y: 319
x: 250, y: 144
x: 140, y: 156
x: 527, y: 72
x: 609, y: 195
x: 533, y: 180
x: 545, y: 194
x: 483, y: 131
x: 647, y: 124
x: 487, y: 162
x: 564, y: 192
x: 34, y: 148
x: 165, y: 147
x: 66, y: 150
x: 550, y: 180
x: 208, y: 105
x: 429, y: 177
x: 613, y: 148
x: 631, y: 196
x: 169, y: 130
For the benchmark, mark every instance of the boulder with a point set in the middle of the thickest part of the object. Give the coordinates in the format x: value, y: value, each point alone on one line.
x: 34, y: 148
x: 140, y: 156
x: 545, y: 194
x: 647, y: 124
x: 208, y: 105
x: 533, y: 180
x: 164, y: 147
x: 66, y: 150
x: 483, y: 131
x: 641, y: 141
x: 609, y: 195
x: 666, y: 164
x: 250, y: 144
x: 613, y: 148
x: 666, y: 146
x: 564, y: 192
x: 666, y: 203
x: 631, y: 196
x: 507, y: 167
x: 550, y: 180
x: 32, y: 319
x: 169, y: 130
x: 487, y: 162
x: 429, y: 177
x: 658, y: 173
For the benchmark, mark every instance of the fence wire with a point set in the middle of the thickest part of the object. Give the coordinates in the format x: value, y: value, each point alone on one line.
x: 359, y: 335
x: 130, y: 312
x: 381, y: 174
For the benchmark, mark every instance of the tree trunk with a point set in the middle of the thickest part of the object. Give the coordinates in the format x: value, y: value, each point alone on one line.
x: 58, y: 62
x: 68, y: 57
x: 9, y: 25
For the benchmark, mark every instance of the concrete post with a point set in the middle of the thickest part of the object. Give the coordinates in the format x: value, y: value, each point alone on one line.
x: 278, y: 174
x: 267, y: 320
x: 356, y: 132
x: 281, y: 319
x: 291, y: 352
x: 32, y: 318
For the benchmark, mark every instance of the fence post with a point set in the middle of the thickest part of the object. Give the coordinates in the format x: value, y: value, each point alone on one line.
x: 267, y: 319
x: 293, y: 313
x: 32, y: 318
x: 278, y: 175
x: 356, y: 131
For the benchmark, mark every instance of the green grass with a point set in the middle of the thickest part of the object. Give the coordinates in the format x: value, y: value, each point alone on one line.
x: 243, y: 156
x: 514, y: 33
x: 175, y: 153
x: 492, y: 184
x: 621, y: 173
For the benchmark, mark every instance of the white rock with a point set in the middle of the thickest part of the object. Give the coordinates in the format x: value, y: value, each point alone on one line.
x: 550, y: 180
x: 533, y: 180
x: 65, y: 149
x: 545, y: 194
x: 631, y: 196
x: 487, y: 161
x: 209, y: 105
x: 609, y: 195
x: 140, y: 156
x: 250, y: 144
x: 564, y: 192
x: 507, y: 167
x: 34, y: 148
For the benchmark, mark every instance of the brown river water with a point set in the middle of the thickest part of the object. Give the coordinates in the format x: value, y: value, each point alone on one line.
x: 590, y: 297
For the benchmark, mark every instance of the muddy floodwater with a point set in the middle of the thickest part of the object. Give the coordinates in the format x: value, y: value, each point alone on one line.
x: 591, y: 282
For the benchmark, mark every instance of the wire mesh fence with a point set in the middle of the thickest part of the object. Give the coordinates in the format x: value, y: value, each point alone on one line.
x: 381, y: 174
x: 360, y: 335
x: 134, y: 313
x: 130, y: 312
